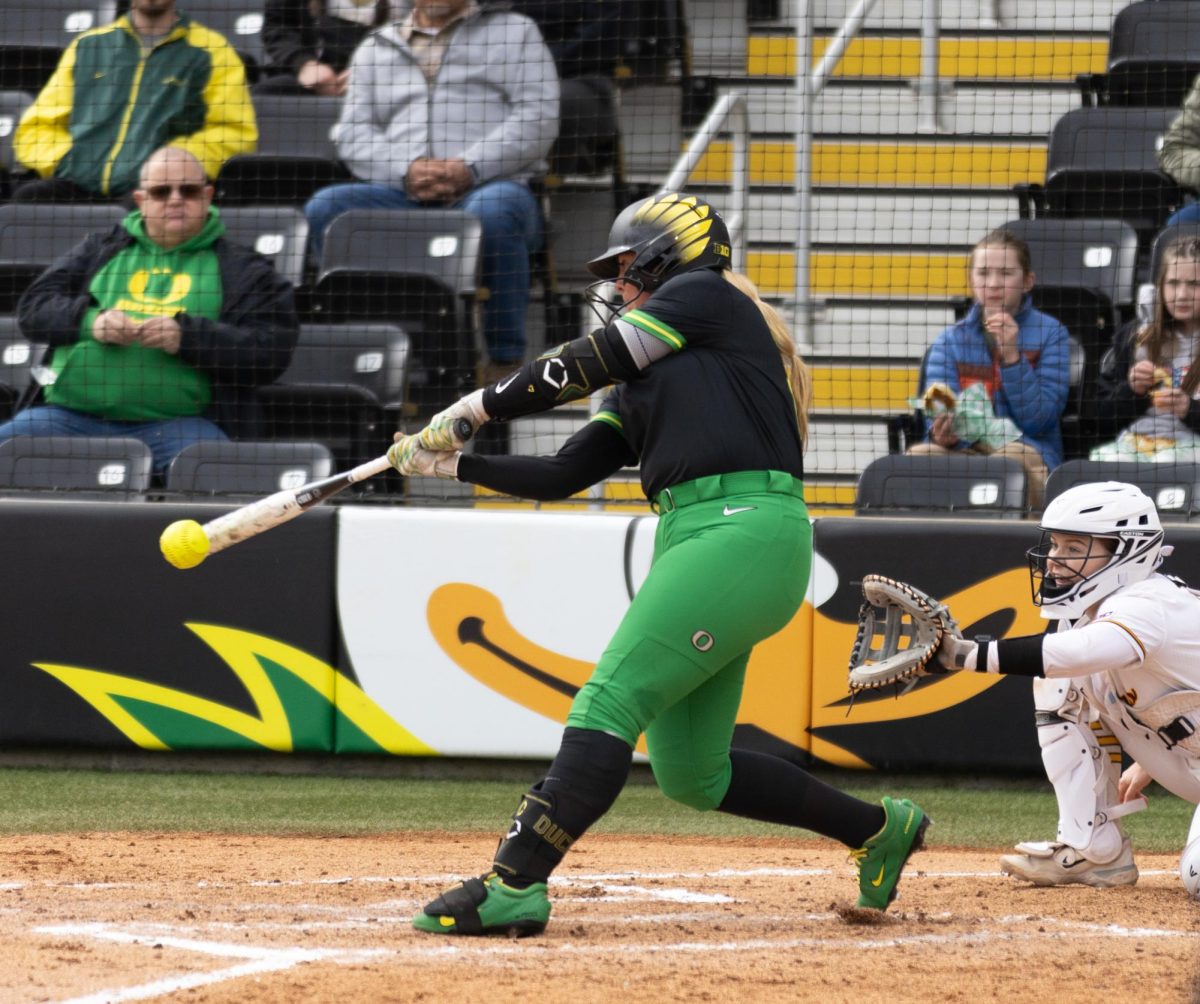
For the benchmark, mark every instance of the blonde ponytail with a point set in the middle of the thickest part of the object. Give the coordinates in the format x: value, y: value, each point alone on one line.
x: 798, y: 377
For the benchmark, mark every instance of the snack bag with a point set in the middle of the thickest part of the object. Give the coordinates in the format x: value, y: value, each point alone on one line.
x: 976, y: 422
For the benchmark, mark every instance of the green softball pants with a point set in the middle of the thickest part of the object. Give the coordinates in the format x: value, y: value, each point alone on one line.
x: 732, y: 555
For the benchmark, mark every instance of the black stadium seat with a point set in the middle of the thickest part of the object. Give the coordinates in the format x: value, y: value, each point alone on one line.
x: 415, y: 267
x: 345, y: 387
x: 278, y: 232
x: 109, y: 467
x: 18, y: 359
x: 1175, y: 488
x: 34, y: 235
x: 1153, y: 56
x: 1102, y: 163
x: 295, y: 156
x: 903, y: 485
x: 34, y: 34
x: 247, y: 468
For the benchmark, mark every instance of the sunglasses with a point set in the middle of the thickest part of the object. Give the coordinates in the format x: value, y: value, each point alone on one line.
x: 160, y: 193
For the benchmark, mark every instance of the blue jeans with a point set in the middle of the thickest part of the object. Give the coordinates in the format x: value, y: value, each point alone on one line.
x: 165, y: 438
x: 511, y: 233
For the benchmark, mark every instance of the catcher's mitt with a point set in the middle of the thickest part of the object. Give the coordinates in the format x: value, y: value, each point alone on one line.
x: 900, y: 629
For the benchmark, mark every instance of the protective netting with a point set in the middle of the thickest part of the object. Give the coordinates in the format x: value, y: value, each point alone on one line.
x: 427, y: 186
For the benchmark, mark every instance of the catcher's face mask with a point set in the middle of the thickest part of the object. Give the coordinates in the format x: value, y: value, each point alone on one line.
x: 1067, y: 571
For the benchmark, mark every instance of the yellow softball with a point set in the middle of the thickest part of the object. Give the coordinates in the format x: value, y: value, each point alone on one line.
x: 184, y: 544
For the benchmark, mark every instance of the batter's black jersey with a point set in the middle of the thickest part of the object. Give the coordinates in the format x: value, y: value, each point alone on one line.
x: 704, y: 392
x: 720, y: 402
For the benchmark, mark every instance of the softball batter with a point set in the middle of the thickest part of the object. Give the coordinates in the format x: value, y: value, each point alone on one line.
x: 1123, y: 668
x: 712, y: 403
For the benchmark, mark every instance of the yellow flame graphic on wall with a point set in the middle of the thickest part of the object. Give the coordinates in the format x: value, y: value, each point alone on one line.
x: 300, y: 702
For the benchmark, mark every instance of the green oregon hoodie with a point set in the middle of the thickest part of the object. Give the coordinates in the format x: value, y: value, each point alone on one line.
x: 129, y: 382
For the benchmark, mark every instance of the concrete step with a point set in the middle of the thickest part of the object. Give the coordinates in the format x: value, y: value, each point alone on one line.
x: 961, y: 15
x: 874, y: 219
x: 960, y: 57
x: 883, y: 109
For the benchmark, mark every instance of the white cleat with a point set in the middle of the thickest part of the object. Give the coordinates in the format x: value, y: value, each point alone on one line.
x: 1047, y: 863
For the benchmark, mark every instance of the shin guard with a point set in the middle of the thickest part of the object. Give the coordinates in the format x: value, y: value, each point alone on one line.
x: 584, y: 780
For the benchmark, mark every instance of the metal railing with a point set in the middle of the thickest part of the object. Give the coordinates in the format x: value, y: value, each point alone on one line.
x: 730, y: 111
x: 730, y: 114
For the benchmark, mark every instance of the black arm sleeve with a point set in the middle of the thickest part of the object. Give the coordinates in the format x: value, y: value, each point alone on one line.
x: 1017, y: 656
x: 592, y: 454
x: 564, y: 373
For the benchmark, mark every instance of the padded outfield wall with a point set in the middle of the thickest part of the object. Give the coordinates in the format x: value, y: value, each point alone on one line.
x: 464, y: 633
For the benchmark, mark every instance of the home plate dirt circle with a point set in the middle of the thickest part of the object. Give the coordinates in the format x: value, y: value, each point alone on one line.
x: 120, y: 917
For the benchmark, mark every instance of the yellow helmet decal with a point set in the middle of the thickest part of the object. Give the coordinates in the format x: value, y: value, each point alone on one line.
x: 689, y: 222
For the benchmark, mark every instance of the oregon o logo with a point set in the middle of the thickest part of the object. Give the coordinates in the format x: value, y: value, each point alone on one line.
x: 702, y: 641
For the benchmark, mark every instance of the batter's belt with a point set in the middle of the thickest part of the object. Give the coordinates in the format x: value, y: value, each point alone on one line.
x: 721, y: 486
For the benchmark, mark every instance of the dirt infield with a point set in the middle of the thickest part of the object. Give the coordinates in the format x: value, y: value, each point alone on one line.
x: 120, y: 917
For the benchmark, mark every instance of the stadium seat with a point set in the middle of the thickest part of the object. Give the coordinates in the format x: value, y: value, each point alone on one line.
x: 1085, y: 273
x: 295, y: 156
x: 418, y: 268
x: 1102, y: 163
x: 246, y: 468
x: 902, y: 485
x: 345, y: 387
x: 34, y: 235
x: 105, y: 467
x: 278, y: 232
x: 18, y: 359
x: 12, y: 106
x: 33, y: 36
x: 1153, y: 56
x: 1175, y: 488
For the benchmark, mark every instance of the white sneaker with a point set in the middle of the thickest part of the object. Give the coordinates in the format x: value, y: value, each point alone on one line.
x: 1048, y: 863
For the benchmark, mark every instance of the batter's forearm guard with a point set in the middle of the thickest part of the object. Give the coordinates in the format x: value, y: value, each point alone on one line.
x: 564, y: 373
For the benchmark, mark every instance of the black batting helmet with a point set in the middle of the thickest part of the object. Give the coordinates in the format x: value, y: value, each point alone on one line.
x: 669, y: 234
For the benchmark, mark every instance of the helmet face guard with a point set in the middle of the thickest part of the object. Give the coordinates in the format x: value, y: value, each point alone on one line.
x: 1108, y: 511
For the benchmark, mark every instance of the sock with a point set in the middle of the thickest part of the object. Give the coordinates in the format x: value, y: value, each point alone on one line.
x: 772, y: 790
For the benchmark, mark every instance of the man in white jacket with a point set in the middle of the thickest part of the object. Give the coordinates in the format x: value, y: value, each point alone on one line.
x: 454, y: 104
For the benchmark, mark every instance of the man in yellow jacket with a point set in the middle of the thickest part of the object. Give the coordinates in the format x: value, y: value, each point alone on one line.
x: 150, y: 78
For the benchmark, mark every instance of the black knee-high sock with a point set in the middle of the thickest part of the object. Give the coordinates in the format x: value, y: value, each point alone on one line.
x: 771, y: 789
x: 581, y: 785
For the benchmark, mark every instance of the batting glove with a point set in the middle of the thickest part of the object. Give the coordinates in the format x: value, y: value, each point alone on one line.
x: 407, y: 456
x: 441, y: 432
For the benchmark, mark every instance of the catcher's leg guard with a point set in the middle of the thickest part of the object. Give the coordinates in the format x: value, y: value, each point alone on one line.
x: 1083, y: 775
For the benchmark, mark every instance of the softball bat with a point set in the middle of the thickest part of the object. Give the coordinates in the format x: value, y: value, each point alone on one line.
x: 186, y: 543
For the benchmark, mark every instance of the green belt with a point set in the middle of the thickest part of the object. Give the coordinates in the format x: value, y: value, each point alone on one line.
x: 719, y: 486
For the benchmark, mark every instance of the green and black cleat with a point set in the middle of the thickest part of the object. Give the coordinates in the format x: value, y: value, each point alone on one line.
x: 486, y: 905
x: 881, y: 859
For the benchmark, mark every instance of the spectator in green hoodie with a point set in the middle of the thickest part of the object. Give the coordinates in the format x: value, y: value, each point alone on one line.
x: 160, y: 328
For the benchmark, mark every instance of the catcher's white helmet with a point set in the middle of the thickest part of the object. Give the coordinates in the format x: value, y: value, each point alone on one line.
x: 1110, y: 510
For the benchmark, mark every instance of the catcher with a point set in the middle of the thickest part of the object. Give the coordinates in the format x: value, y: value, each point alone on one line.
x: 1123, y: 667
